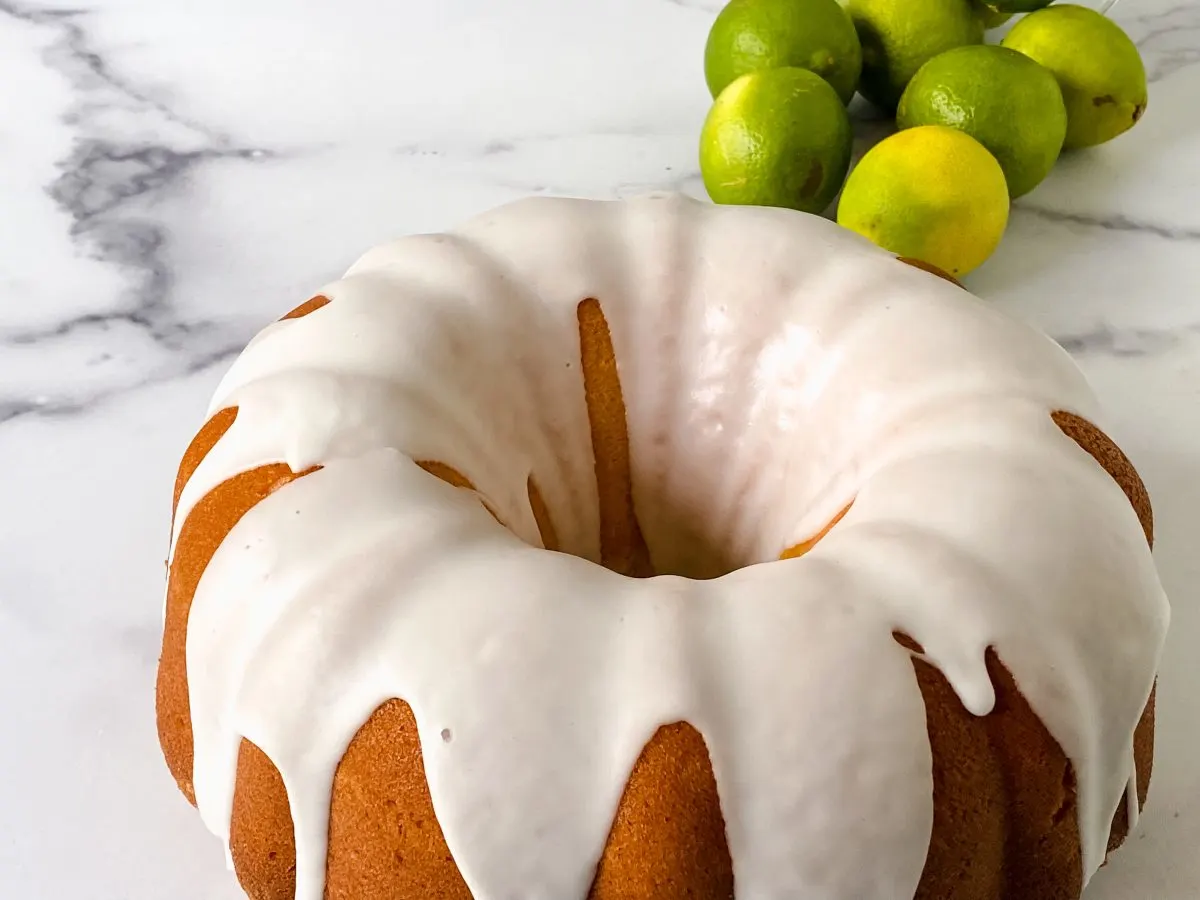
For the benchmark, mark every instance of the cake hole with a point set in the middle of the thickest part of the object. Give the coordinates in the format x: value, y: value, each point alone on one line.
x: 687, y: 540
x: 447, y: 736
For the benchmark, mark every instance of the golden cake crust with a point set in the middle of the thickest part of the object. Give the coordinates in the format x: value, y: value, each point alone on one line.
x: 1004, y: 825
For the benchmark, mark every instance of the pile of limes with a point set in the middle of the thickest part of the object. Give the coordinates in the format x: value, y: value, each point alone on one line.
x: 979, y: 123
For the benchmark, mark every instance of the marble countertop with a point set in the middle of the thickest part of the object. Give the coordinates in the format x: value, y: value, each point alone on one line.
x: 172, y: 177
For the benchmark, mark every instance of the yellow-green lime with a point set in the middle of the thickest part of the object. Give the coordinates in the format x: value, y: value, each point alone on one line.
x: 1098, y: 67
x: 900, y: 36
x: 751, y: 35
x: 1003, y: 99
x: 931, y: 193
x: 777, y: 137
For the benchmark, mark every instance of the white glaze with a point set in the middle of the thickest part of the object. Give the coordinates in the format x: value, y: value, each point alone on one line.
x: 774, y: 367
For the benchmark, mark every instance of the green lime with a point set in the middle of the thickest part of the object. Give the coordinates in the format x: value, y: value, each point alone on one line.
x: 778, y: 137
x: 900, y: 36
x: 1004, y: 100
x: 930, y: 193
x: 750, y: 35
x: 1097, y: 66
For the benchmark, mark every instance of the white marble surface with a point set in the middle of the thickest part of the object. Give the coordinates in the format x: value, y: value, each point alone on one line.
x: 172, y: 177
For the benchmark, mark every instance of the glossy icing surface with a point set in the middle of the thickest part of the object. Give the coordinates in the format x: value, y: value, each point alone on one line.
x: 774, y: 368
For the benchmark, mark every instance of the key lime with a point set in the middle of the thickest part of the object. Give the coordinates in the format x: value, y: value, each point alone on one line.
x: 777, y: 137
x: 930, y: 193
x: 1098, y: 67
x: 750, y: 35
x: 900, y: 36
x: 1003, y: 99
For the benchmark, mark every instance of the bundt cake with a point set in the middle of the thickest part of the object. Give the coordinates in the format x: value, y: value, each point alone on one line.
x: 651, y: 549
